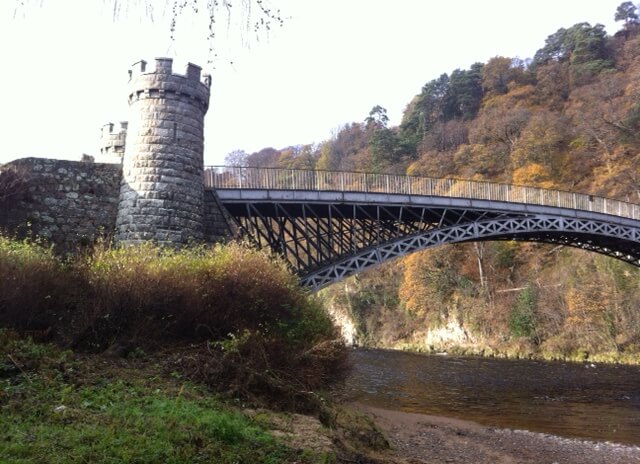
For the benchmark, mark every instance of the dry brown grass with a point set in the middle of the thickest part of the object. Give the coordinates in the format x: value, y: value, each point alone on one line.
x: 237, y: 317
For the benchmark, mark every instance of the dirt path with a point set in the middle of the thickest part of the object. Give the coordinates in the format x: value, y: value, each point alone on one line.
x: 430, y: 439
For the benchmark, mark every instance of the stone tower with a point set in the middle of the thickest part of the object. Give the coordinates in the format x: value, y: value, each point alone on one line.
x: 112, y: 141
x: 161, y: 196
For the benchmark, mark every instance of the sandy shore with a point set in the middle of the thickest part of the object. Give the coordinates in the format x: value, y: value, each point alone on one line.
x: 418, y: 438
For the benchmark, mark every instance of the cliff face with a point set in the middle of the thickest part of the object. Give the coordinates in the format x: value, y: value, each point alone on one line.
x: 343, y: 319
x: 554, y: 303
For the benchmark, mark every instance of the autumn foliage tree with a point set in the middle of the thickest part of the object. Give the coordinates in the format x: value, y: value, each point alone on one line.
x: 568, y: 119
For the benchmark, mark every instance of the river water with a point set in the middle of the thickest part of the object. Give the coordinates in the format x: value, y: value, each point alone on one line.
x: 597, y: 402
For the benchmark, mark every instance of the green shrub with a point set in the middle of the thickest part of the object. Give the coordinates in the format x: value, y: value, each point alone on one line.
x: 522, y: 321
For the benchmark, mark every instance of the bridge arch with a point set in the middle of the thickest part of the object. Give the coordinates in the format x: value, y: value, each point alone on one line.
x: 537, y: 229
x: 327, y: 234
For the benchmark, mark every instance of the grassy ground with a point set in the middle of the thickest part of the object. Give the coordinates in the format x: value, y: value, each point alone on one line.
x: 57, y: 407
x: 171, y: 347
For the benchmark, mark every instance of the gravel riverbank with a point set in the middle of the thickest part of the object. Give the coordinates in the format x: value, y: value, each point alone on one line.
x: 418, y: 438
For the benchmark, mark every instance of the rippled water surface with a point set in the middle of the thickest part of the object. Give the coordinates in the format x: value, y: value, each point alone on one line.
x: 599, y: 402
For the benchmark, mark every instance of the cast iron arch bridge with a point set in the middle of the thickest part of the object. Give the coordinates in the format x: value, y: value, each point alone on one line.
x: 329, y: 225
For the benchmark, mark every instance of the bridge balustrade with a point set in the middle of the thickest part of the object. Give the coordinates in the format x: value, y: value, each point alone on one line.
x: 226, y: 177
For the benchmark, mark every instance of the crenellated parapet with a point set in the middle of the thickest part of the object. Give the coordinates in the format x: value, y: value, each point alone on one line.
x: 162, y: 193
x: 112, y: 139
x: 162, y: 83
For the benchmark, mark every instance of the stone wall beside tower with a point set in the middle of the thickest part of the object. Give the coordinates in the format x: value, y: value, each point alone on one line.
x: 162, y: 190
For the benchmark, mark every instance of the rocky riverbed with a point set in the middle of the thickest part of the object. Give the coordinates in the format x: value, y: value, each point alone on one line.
x: 418, y: 438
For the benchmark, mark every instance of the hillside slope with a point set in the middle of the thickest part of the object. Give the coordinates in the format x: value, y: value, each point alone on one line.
x: 567, y: 119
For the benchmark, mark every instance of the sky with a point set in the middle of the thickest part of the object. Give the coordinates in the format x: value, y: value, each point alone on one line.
x: 65, y: 63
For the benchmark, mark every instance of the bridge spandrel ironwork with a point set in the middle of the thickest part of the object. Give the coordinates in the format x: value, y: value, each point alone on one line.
x: 332, y: 224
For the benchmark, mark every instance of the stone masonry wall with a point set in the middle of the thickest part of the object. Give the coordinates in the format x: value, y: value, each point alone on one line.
x: 217, y: 222
x: 162, y: 194
x: 69, y: 203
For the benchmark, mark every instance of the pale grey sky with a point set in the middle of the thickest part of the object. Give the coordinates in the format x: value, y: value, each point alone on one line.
x: 65, y: 65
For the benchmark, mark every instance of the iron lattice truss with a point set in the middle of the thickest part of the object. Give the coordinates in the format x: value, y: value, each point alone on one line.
x: 326, y: 241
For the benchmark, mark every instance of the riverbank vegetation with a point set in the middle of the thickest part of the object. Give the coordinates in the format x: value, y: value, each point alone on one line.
x: 566, y: 119
x: 256, y: 330
x: 58, y: 406
x: 144, y: 354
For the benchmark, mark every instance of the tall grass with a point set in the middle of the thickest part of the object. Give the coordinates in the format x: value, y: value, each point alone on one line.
x: 260, y: 329
x: 32, y: 285
x: 191, y: 294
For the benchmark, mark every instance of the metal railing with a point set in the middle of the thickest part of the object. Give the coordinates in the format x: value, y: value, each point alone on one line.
x: 223, y: 177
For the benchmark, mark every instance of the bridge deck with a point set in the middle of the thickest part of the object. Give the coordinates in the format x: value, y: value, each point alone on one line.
x: 329, y: 225
x: 220, y: 177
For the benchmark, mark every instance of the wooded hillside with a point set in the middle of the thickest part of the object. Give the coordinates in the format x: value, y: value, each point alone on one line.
x: 569, y: 118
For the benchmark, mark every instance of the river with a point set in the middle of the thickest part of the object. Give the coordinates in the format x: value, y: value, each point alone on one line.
x: 597, y: 402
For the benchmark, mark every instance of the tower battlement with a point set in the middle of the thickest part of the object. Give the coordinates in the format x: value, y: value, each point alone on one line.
x: 112, y: 139
x: 164, y: 83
